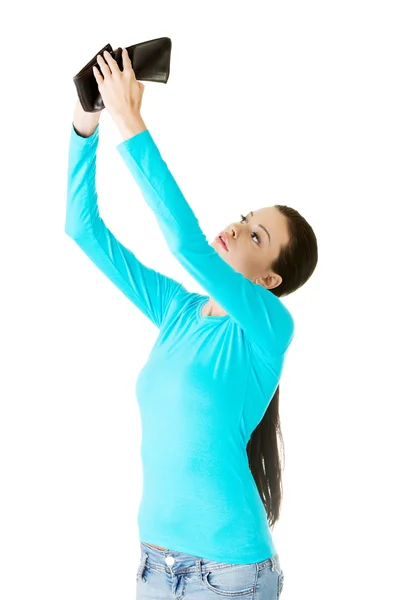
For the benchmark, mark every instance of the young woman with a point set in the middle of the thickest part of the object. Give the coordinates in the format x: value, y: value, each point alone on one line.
x: 209, y: 392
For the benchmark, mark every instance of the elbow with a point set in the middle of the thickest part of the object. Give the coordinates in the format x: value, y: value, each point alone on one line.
x: 69, y: 231
x: 72, y: 233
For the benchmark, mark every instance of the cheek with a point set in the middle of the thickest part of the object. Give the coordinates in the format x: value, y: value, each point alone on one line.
x: 254, y: 260
x: 243, y: 260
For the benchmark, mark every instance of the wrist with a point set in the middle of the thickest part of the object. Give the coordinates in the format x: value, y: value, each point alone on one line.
x: 84, y: 129
x: 84, y: 122
x: 130, y: 124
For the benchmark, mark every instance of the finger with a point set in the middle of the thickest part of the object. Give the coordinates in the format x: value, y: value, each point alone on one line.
x: 105, y: 69
x: 111, y: 62
x: 126, y: 62
x: 97, y: 74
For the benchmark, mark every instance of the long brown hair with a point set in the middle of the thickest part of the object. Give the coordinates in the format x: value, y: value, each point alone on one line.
x: 295, y: 264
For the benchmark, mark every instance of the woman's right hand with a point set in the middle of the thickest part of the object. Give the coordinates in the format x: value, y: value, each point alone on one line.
x: 85, y: 122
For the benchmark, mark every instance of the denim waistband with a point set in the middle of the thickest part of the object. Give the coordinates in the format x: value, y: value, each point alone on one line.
x: 180, y: 562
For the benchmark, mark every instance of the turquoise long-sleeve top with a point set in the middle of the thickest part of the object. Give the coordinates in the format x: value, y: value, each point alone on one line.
x: 207, y: 381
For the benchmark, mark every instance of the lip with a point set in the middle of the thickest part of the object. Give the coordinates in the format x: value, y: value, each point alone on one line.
x: 225, y: 238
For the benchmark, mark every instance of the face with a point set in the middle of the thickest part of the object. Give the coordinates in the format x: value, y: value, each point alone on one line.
x: 250, y: 250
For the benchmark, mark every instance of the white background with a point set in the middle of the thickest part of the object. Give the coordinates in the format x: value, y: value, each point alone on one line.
x: 294, y: 103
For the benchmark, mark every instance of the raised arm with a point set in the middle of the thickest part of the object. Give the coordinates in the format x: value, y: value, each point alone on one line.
x: 265, y: 320
x: 148, y: 289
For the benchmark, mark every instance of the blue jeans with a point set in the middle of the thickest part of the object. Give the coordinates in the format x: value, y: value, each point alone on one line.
x: 171, y: 575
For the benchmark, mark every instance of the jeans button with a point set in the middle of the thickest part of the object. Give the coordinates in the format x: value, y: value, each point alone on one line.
x: 170, y: 560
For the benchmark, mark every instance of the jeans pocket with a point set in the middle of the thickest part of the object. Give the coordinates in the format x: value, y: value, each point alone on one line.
x: 230, y: 581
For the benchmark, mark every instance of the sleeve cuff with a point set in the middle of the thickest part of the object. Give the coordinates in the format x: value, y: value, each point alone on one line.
x: 137, y: 141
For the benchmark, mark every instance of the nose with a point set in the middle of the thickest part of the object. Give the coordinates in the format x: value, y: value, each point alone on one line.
x: 235, y: 229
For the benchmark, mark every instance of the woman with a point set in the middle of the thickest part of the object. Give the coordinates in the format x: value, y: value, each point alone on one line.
x: 208, y: 394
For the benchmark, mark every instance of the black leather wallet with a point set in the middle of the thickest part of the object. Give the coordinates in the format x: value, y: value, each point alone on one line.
x: 150, y: 61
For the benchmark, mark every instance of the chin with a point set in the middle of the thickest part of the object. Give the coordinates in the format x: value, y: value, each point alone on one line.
x: 218, y: 248
x: 222, y: 253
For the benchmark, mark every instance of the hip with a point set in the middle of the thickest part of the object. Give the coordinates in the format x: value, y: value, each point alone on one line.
x: 165, y: 571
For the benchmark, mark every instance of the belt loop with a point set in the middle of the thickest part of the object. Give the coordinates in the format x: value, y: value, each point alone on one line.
x: 198, y: 565
x: 273, y: 563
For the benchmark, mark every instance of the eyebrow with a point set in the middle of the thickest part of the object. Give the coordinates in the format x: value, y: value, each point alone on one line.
x: 262, y: 227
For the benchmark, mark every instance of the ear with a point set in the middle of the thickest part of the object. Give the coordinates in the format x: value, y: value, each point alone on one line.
x: 270, y: 282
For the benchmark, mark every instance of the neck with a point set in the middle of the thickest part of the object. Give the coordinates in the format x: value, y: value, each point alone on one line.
x: 212, y: 309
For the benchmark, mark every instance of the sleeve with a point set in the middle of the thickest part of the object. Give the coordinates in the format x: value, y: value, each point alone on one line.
x: 149, y: 290
x: 263, y: 317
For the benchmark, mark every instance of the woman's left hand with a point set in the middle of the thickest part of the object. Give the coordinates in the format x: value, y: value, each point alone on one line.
x: 121, y: 92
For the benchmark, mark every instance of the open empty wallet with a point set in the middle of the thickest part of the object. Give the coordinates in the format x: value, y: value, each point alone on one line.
x: 150, y: 62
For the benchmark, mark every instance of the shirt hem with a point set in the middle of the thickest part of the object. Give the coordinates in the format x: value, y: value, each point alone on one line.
x: 179, y: 547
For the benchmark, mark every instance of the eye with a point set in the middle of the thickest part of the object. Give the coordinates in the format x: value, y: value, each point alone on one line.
x: 243, y: 218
